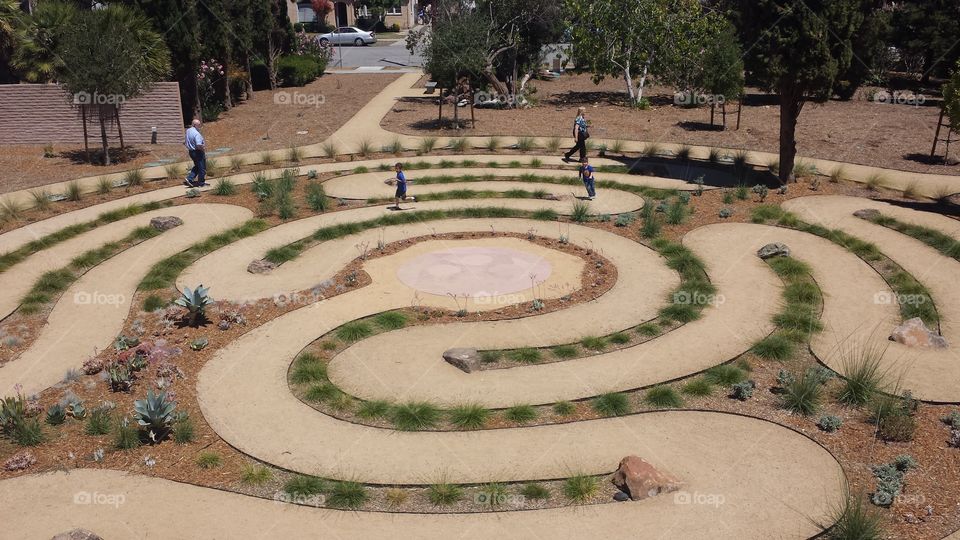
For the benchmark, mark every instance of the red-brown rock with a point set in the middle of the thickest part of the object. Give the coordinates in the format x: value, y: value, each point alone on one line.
x: 641, y: 480
x: 913, y: 333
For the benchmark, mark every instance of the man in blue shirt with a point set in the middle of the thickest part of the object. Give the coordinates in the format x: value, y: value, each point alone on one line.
x: 195, y: 147
x: 586, y: 175
x: 401, y: 183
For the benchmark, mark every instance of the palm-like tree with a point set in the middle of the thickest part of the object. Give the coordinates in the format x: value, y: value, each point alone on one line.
x: 10, y: 36
x: 36, y: 59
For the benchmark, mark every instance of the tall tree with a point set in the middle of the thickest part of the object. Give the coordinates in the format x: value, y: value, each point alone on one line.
x: 104, y: 68
x: 799, y: 49
x: 634, y: 39
x: 36, y: 60
x: 722, y: 75
x: 928, y: 30
x: 10, y: 36
x: 871, y: 55
x: 177, y: 22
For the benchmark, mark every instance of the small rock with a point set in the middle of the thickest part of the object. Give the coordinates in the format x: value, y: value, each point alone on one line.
x: 261, y: 266
x: 770, y: 251
x: 641, y: 480
x: 466, y: 360
x: 165, y: 223
x: 77, y: 534
x: 621, y: 496
x: 910, y: 518
x: 867, y: 213
x: 913, y: 333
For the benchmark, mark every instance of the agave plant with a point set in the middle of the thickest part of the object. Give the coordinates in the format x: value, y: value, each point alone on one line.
x: 56, y: 415
x: 155, y: 414
x: 12, y: 411
x: 195, y: 301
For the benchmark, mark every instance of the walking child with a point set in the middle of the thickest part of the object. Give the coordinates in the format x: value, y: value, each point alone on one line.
x: 586, y: 175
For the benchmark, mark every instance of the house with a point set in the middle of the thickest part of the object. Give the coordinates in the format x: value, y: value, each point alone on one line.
x: 356, y: 13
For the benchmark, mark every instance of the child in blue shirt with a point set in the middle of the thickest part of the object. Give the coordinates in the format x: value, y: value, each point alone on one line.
x: 586, y: 175
x: 401, y: 183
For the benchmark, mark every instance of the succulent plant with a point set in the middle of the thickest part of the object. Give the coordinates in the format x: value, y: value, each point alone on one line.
x: 199, y: 344
x: 92, y: 366
x: 829, y: 423
x: 123, y: 342
x: 785, y: 378
x: 762, y: 191
x: 743, y: 390
x: 13, y: 410
x: 121, y: 378
x: 193, y: 193
x: 684, y: 197
x: 725, y: 213
x: 56, y: 415
x: 624, y: 219
x: 77, y: 410
x: 195, y: 301
x: 155, y: 414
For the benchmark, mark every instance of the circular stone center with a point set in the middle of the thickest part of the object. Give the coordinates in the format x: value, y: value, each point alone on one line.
x: 474, y: 271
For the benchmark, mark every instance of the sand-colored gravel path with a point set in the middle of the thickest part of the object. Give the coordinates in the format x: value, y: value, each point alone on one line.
x: 736, y: 490
x: 91, y: 312
x: 932, y: 375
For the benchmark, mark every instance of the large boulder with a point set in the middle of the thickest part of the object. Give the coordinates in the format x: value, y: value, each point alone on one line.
x: 913, y: 333
x: 775, y: 249
x: 641, y: 480
x: 466, y: 360
x: 261, y: 266
x: 77, y: 534
x: 165, y: 223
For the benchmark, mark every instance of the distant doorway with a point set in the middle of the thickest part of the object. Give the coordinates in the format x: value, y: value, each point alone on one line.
x: 341, y: 13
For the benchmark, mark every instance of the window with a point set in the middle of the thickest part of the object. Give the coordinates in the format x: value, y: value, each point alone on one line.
x: 395, y: 10
x: 305, y: 12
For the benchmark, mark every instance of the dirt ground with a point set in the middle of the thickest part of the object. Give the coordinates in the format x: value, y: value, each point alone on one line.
x: 271, y: 120
x: 858, y: 131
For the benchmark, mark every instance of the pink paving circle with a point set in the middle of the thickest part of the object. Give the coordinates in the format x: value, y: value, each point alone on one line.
x: 474, y: 271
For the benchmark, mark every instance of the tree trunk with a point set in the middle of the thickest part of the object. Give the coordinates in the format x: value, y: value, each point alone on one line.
x: 790, y: 107
x: 628, y: 78
x: 713, y: 110
x: 643, y: 79
x: 499, y: 86
x: 103, y: 137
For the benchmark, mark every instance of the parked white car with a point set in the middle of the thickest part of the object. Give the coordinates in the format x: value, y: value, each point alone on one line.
x: 347, y: 35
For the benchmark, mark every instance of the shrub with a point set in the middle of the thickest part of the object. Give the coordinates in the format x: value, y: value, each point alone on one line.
x: 134, y: 177
x: 774, y: 347
x: 297, y: 70
x: 581, y: 488
x: 74, y: 191
x: 155, y: 414
x: 725, y: 375
x: 742, y: 390
x: 612, y: 404
x: 153, y: 302
x: 354, y: 331
x: 829, y: 423
x: 580, y: 212
x: 183, y: 429
x: 255, y: 475
x: 317, y: 197
x: 415, y: 416
x: 375, y: 409
x: 302, y: 486
x: 698, y: 387
x: 347, y: 495
x: 593, y: 343
x: 520, y: 414
x: 564, y: 351
x: 127, y: 436
x: 195, y: 302
x: 535, y: 492
x: 802, y: 395
x: 564, y: 408
x: 444, y: 494
x: 526, y: 355
x: 663, y: 396
x: 99, y: 421
x: 854, y: 520
x: 391, y: 320
x: 863, y: 374
x: 470, y: 416
x: 209, y: 460
x: 225, y: 188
